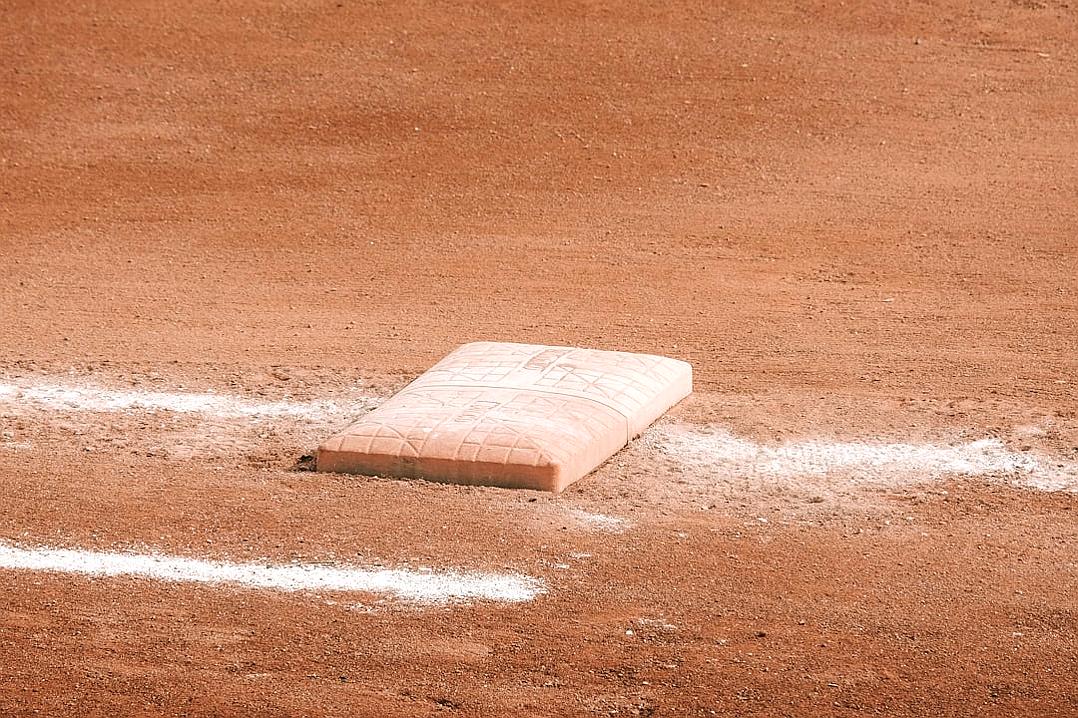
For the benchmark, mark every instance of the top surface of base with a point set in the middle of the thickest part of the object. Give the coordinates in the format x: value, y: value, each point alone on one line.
x: 511, y: 415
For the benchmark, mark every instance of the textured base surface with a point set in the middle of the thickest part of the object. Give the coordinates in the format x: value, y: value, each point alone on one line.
x: 512, y: 415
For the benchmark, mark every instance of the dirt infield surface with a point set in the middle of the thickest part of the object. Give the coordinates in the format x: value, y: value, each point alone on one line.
x: 228, y: 229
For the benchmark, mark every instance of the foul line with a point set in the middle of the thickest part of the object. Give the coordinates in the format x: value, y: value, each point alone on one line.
x: 423, y: 586
x: 68, y: 397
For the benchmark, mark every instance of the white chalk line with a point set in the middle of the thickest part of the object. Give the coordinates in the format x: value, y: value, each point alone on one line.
x: 599, y: 522
x: 720, y: 452
x: 73, y: 397
x: 412, y: 585
x: 700, y: 447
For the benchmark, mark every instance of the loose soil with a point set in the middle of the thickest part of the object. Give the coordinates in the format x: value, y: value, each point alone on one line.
x: 857, y: 222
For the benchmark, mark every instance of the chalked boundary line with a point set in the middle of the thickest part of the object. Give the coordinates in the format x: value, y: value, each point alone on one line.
x: 406, y: 584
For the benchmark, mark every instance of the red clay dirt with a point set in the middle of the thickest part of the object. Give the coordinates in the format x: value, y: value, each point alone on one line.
x: 856, y: 221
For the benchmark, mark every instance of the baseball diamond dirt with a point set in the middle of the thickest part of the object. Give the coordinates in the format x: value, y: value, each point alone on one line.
x: 230, y: 229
